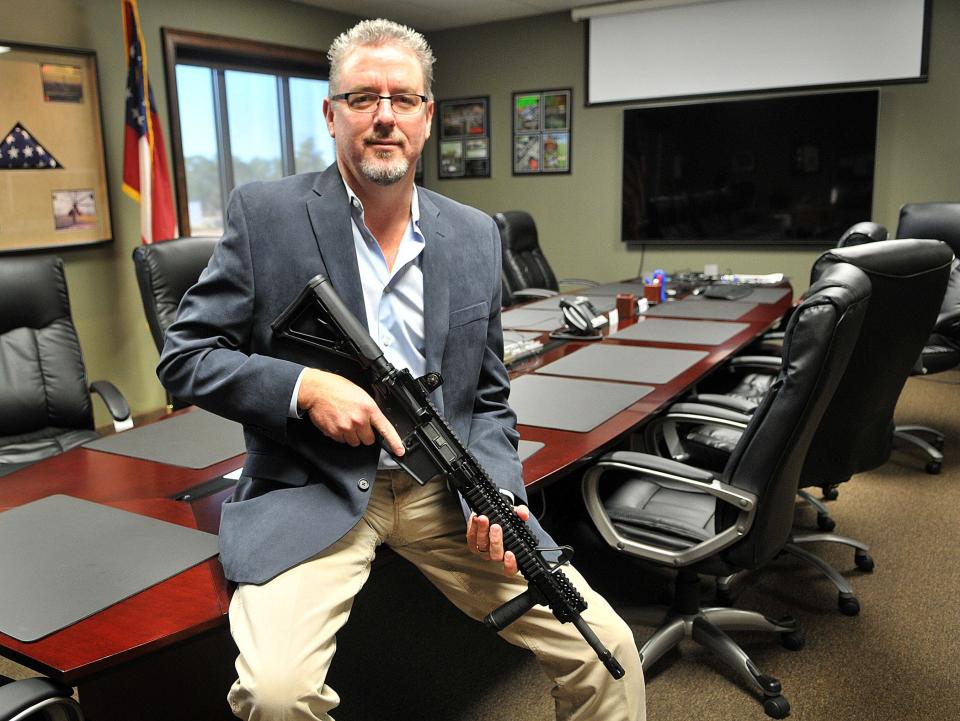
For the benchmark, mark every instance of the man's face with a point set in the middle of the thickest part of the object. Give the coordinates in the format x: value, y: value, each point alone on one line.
x: 382, y: 146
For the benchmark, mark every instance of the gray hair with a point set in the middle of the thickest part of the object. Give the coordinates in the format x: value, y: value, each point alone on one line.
x: 368, y: 33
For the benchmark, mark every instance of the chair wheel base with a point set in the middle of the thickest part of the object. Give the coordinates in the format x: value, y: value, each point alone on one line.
x: 776, y: 707
x: 792, y: 640
x: 864, y: 561
x: 831, y: 493
x: 934, y: 467
x: 825, y: 523
x: 848, y: 605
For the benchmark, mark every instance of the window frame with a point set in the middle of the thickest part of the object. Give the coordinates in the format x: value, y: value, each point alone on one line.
x: 221, y: 53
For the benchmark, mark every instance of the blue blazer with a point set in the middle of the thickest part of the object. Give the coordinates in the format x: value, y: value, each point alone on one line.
x: 300, y: 491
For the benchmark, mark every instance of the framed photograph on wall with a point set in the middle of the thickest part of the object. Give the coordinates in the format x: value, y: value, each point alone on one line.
x: 464, y: 138
x: 52, y: 164
x: 542, y: 131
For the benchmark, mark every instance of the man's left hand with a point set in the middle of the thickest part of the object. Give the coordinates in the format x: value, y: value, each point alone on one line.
x: 486, y: 540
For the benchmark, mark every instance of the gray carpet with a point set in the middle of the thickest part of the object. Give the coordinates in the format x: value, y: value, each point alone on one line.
x: 896, y: 660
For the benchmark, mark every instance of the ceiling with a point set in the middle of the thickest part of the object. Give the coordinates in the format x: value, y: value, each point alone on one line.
x: 426, y: 15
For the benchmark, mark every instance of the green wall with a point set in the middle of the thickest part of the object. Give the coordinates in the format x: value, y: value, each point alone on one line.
x: 577, y: 214
x: 103, y: 290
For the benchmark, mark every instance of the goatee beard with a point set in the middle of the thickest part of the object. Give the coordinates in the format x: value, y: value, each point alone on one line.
x: 385, y: 173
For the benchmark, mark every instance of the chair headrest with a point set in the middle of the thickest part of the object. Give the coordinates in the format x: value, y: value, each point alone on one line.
x: 940, y: 221
x: 518, y: 232
x: 173, y: 265
x: 860, y: 233
x: 903, y: 258
x: 33, y: 292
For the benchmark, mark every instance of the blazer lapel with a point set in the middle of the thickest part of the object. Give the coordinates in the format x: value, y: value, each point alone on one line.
x: 436, y: 282
x: 329, y: 211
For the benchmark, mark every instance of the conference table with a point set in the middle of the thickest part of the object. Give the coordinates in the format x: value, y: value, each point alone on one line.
x: 154, y: 642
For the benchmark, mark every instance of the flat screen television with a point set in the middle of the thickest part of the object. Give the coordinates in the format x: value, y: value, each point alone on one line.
x: 794, y: 170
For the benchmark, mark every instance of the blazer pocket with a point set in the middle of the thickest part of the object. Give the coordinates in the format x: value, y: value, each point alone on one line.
x: 275, y: 468
x: 462, y: 316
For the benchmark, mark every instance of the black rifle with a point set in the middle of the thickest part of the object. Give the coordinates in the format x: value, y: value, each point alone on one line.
x: 319, y: 318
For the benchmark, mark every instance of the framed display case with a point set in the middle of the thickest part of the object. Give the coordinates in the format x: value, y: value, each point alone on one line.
x: 51, y: 150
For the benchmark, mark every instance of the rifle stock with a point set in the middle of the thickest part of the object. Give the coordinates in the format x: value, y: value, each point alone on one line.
x: 319, y: 318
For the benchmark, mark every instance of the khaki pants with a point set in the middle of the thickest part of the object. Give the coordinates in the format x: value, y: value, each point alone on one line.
x: 285, y: 629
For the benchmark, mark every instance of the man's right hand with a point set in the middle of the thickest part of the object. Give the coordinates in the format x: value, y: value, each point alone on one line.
x: 345, y: 412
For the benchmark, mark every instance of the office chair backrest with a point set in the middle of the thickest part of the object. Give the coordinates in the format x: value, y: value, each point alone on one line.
x: 940, y: 221
x: 42, y: 378
x: 769, y: 456
x: 908, y: 278
x: 164, y: 273
x: 524, y: 265
x: 860, y: 233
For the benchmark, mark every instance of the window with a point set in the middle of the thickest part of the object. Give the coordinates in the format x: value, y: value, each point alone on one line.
x: 240, y: 111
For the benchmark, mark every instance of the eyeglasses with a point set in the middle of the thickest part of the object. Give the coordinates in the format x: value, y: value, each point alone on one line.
x: 401, y: 103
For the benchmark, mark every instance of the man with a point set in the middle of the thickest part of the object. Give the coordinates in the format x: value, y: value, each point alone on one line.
x: 317, y: 496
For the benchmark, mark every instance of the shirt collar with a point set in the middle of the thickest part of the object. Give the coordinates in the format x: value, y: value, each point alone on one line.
x: 414, y: 205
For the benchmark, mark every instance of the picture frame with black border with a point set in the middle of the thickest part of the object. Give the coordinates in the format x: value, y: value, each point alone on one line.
x: 463, y: 138
x: 542, y: 131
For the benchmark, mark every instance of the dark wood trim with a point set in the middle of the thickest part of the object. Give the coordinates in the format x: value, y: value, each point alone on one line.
x: 176, y: 138
x: 243, y: 52
x: 218, y: 51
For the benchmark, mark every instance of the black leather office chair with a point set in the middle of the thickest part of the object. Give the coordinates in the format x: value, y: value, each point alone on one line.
x: 856, y: 234
x: 164, y: 273
x: 856, y: 432
x: 860, y: 233
x: 37, y: 699
x: 704, y: 522
x: 942, y: 351
x: 45, y: 405
x: 526, y: 272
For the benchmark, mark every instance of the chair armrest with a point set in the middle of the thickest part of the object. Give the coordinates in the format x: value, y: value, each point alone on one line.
x: 33, y: 693
x: 731, y: 403
x: 763, y: 363
x: 706, y: 413
x: 534, y: 293
x: 664, y: 427
x: 115, y: 402
x: 581, y: 282
x: 674, y: 473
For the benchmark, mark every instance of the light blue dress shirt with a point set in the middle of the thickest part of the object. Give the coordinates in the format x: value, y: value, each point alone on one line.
x: 392, y: 297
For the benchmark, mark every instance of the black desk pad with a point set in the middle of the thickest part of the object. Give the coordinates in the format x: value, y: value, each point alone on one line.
x: 634, y: 364
x: 602, y: 303
x: 65, y: 559
x: 767, y: 295
x: 526, y: 319
x: 611, y: 289
x: 702, y: 308
x: 570, y: 404
x: 674, y: 330
x: 528, y: 448
x: 191, y: 440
